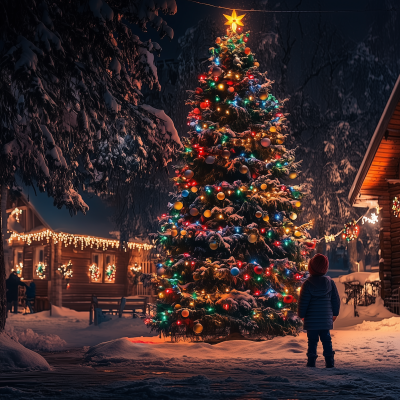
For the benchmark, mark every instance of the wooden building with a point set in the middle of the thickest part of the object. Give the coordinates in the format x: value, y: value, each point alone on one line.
x: 378, y: 184
x: 100, y: 266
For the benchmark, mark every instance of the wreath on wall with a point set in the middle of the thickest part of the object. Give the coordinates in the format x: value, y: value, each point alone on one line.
x: 41, y: 270
x: 110, y: 272
x: 94, y: 272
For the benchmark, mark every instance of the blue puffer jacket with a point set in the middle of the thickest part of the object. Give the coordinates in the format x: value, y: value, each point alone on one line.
x: 318, y: 302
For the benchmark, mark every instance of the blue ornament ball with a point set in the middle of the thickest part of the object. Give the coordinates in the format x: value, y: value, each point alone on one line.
x: 235, y: 271
x: 269, y: 165
x: 185, y: 193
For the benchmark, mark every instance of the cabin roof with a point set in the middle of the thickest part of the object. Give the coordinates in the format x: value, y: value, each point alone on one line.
x: 381, y: 161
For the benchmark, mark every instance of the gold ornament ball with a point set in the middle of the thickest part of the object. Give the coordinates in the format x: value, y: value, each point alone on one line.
x: 194, y: 189
x: 293, y: 216
x: 178, y: 205
x: 220, y: 196
x: 194, y: 212
x: 188, y: 174
x: 266, y: 218
x: 297, y: 204
x: 272, y: 129
x: 210, y: 160
x: 185, y: 313
x: 293, y: 175
x: 280, y: 140
x: 256, y: 64
x: 161, y: 295
x: 265, y: 142
x: 258, y: 214
x: 297, y: 233
x: 213, y: 245
x: 263, y: 96
x: 226, y: 154
x: 252, y: 238
x: 207, y: 213
x: 174, y: 232
x: 263, y: 186
x: 197, y: 328
x: 243, y: 169
x: 183, y: 232
x: 196, y: 276
x: 177, y: 306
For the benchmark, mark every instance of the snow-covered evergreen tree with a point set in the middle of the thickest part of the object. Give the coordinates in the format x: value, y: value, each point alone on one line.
x: 71, y: 109
x: 235, y: 256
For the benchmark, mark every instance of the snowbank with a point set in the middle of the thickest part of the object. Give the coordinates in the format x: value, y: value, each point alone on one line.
x: 361, y: 277
x: 374, y: 312
x: 63, y: 312
x: 36, y: 342
x: 71, y: 327
x: 15, y: 357
x: 129, y: 349
x: 386, y: 325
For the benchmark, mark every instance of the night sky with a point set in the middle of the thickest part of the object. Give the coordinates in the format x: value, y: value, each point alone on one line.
x: 353, y: 25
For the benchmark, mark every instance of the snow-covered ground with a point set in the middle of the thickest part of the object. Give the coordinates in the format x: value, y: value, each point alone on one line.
x: 128, y: 360
x: 66, y: 329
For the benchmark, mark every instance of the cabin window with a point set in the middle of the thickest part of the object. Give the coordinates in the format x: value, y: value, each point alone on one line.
x: 18, y: 261
x: 109, y: 268
x: 96, y: 268
x: 102, y: 269
x: 39, y: 264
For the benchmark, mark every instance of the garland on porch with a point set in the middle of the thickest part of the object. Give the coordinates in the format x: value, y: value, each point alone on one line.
x: 41, y: 270
x: 351, y: 230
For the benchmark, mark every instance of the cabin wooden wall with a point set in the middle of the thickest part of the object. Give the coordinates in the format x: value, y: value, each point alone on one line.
x: 385, y: 246
x: 78, y: 295
x: 394, y: 190
x: 29, y: 267
x: 389, y: 237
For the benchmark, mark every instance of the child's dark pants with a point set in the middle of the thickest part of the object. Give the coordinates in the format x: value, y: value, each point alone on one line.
x: 314, y: 336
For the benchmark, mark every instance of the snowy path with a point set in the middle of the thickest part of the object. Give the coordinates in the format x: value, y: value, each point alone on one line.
x: 367, y: 368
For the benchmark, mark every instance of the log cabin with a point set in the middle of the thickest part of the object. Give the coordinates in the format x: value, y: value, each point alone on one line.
x: 101, y: 266
x: 377, y: 183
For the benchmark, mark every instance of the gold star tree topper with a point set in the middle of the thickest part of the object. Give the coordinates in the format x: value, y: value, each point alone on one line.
x: 234, y: 20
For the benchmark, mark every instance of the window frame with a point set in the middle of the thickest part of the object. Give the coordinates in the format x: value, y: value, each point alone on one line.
x: 99, y: 265
x: 36, y: 259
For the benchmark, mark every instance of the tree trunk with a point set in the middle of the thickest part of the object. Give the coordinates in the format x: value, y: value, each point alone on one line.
x: 3, y: 300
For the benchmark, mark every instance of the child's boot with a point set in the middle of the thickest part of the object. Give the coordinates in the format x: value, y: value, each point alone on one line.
x: 330, y: 360
x: 311, y: 360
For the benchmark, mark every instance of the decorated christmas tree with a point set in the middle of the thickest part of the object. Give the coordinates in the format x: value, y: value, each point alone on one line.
x: 234, y: 257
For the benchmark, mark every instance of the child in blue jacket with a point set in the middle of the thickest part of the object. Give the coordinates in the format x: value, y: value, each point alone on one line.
x: 319, y: 305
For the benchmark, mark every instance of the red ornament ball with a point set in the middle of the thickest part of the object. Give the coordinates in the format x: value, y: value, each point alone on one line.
x: 288, y: 299
x: 199, y: 90
x: 196, y: 111
x: 258, y: 270
x: 203, y: 104
x: 247, y: 50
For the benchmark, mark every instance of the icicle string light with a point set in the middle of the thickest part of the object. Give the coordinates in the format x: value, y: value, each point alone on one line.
x: 76, y: 240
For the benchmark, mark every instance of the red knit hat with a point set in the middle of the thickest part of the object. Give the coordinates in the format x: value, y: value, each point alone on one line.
x: 318, y: 265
